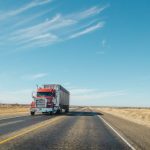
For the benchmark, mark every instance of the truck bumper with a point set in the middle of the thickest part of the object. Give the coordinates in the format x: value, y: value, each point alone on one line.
x: 42, y: 110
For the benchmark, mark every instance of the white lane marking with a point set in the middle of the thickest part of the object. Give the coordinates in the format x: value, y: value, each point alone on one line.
x: 8, y: 123
x: 72, y: 108
x: 117, y: 133
x: 18, y: 117
x: 114, y: 130
x: 13, y: 117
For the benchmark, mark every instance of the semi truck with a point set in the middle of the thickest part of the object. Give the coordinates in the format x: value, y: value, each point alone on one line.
x: 51, y: 99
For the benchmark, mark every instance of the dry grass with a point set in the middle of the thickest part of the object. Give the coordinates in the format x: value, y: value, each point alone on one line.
x: 138, y: 115
x: 12, y: 109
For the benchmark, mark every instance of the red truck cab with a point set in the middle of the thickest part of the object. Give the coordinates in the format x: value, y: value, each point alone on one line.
x: 43, y: 101
x: 50, y: 98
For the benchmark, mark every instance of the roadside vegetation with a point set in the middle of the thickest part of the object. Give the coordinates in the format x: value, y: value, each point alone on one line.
x: 136, y: 114
x: 10, y: 109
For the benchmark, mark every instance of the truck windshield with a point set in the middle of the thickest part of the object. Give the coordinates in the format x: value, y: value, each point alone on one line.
x: 45, y: 94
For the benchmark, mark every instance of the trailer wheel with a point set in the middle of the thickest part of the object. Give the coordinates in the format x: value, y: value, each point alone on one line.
x: 32, y: 113
x: 67, y: 110
x: 59, y: 111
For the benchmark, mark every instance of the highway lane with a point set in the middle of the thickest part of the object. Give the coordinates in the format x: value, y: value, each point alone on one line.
x: 137, y: 135
x: 3, y: 117
x: 12, y: 124
x: 10, y: 116
x: 79, y: 129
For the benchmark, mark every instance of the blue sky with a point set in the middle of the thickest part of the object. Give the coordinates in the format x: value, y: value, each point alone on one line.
x: 98, y: 49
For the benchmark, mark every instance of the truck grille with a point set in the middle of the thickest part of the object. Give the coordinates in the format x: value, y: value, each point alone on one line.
x: 40, y: 103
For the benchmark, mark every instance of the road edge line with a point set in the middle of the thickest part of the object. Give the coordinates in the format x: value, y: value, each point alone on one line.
x: 123, y: 139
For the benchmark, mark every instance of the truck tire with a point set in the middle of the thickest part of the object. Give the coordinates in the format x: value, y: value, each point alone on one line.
x: 50, y: 113
x: 66, y: 110
x: 59, y: 111
x: 32, y: 113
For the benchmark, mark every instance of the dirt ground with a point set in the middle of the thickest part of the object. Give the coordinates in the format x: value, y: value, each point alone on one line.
x: 10, y: 109
x: 137, y: 115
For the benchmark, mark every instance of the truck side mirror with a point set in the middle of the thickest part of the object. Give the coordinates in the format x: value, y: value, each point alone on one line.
x: 33, y: 94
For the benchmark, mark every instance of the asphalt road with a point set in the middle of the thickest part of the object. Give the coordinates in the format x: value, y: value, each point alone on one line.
x: 137, y: 135
x: 80, y: 129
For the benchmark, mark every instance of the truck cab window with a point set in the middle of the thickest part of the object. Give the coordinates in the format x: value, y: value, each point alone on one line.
x: 44, y: 94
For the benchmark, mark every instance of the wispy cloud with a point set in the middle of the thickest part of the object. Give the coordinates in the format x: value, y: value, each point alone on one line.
x: 104, y: 43
x: 31, y: 18
x: 34, y: 76
x: 89, y: 12
x: 94, y: 94
x: 22, y: 96
x: 42, y: 33
x: 78, y: 95
x: 24, y: 8
x: 88, y: 30
x: 56, y: 28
